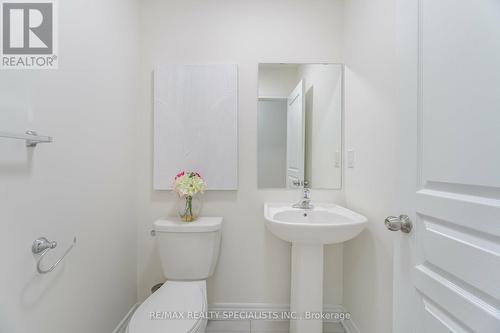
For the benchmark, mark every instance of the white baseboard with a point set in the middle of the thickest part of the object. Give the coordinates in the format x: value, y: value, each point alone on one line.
x: 350, y: 326
x: 122, y: 326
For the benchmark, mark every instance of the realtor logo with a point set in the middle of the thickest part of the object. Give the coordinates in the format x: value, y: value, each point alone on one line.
x: 28, y: 34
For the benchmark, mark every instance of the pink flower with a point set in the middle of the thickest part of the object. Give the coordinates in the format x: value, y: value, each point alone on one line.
x: 180, y: 174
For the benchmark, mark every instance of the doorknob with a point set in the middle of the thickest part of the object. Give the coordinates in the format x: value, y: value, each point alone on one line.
x: 395, y: 223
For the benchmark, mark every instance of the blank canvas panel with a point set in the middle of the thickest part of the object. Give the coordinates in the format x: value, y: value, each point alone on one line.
x: 196, y: 124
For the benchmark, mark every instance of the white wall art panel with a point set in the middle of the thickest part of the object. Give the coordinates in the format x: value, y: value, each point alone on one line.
x: 195, y: 124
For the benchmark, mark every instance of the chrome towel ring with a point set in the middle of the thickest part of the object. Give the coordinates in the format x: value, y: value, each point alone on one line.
x: 31, y: 137
x: 41, y: 246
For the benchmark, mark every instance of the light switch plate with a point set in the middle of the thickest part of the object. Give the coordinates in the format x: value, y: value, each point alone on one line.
x: 337, y: 159
x: 350, y: 158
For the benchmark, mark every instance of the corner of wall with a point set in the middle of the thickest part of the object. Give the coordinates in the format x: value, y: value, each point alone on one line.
x: 369, y: 54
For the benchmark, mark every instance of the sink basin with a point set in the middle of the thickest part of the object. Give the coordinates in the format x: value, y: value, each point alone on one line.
x: 324, y: 224
x: 308, y: 231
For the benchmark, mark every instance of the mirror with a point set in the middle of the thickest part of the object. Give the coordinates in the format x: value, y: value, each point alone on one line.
x: 300, y: 125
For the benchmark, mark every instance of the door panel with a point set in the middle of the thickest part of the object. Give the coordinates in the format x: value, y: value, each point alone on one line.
x: 436, y: 320
x: 463, y: 254
x: 295, y: 136
x: 451, y: 107
x: 460, y: 77
x: 456, y: 299
x: 470, y: 211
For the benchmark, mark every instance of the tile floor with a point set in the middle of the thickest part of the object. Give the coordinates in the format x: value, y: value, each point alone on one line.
x: 261, y: 326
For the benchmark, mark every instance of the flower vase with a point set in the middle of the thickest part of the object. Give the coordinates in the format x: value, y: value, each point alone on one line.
x: 189, y: 207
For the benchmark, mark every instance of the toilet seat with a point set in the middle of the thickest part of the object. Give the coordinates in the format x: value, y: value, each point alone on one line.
x: 174, y: 297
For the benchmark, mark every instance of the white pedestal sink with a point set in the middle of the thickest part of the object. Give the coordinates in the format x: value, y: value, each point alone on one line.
x: 308, y: 231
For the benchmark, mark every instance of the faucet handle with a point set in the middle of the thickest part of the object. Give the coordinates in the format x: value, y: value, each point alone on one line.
x: 302, y: 183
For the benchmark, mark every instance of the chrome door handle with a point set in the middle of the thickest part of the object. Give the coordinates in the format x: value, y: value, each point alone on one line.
x: 401, y: 222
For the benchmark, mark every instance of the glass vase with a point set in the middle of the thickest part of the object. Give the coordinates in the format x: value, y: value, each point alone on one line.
x: 189, y: 207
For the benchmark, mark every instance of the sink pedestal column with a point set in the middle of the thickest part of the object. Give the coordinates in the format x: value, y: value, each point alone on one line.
x: 306, y: 288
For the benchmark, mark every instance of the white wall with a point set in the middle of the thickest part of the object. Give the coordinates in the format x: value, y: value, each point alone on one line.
x: 371, y: 89
x: 254, y: 266
x: 82, y: 184
x: 277, y: 80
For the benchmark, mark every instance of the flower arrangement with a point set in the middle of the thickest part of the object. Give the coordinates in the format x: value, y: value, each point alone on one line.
x: 187, y: 185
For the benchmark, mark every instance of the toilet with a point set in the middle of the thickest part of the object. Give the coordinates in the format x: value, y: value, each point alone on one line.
x: 188, y: 253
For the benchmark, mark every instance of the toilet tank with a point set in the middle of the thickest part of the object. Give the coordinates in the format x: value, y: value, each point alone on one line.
x: 188, y: 250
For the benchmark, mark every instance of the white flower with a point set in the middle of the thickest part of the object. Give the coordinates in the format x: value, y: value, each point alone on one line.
x: 189, y: 183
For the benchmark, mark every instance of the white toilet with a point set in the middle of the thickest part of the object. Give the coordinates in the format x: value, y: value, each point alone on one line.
x: 189, y: 253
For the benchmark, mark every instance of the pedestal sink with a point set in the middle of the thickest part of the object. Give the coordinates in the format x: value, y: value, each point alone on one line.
x: 308, y: 230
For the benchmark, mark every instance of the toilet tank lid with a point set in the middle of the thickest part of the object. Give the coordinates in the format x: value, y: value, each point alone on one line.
x: 202, y: 224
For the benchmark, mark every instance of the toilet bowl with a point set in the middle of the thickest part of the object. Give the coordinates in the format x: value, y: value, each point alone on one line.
x: 172, y: 308
x: 189, y: 253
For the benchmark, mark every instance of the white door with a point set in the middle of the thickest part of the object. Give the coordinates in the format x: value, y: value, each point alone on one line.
x: 295, y: 137
x: 447, y: 269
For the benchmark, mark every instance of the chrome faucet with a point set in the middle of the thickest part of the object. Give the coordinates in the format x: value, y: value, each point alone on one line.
x: 305, y: 202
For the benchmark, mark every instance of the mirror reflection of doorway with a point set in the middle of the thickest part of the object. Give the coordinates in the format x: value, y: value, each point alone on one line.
x: 300, y: 144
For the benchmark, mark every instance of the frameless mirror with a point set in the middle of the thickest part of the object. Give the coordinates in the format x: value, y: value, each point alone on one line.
x: 300, y: 125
